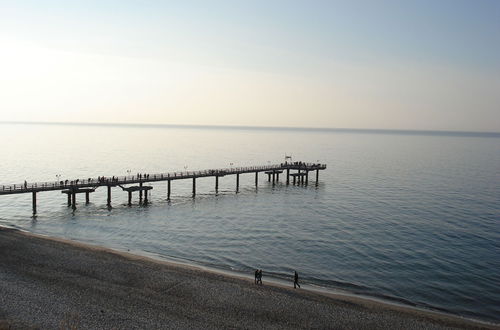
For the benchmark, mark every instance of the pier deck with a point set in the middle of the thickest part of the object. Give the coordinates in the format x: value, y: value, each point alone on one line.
x: 88, y: 185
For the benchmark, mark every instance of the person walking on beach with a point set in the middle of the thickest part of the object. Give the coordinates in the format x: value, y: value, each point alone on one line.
x: 256, y: 275
x: 259, y: 276
x: 296, y: 280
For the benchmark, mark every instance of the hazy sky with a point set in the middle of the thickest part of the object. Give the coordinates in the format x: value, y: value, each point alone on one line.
x: 350, y: 64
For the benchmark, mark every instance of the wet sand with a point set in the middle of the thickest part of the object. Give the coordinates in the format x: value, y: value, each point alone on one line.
x: 54, y: 283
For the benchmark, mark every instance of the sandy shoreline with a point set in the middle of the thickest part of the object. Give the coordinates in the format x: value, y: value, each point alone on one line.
x: 50, y: 282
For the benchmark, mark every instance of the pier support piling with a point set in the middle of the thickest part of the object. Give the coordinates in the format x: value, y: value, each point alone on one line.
x: 73, y: 201
x: 268, y: 177
x: 168, y: 190
x: 109, y: 196
x: 317, y: 177
x: 256, y: 179
x: 237, y: 182
x: 129, y: 198
x: 307, y: 177
x: 145, y: 197
x: 69, y: 200
x: 287, y: 176
x: 216, y: 184
x: 140, y: 193
x: 34, y: 202
x: 194, y: 187
x: 87, y: 198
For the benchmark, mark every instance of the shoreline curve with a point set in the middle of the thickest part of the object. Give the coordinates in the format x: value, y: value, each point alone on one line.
x: 323, y: 296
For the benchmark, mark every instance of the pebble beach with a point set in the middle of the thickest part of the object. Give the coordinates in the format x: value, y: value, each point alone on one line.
x: 53, y: 283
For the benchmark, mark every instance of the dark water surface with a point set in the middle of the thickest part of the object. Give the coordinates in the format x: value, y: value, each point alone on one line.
x: 412, y: 218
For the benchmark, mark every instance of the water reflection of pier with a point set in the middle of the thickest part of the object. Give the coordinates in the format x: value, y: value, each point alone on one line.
x: 79, y: 186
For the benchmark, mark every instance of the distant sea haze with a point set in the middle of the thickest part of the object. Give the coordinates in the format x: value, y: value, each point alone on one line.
x: 274, y: 128
x: 408, y: 216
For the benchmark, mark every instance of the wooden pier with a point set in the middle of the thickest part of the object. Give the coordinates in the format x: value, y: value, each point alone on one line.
x: 73, y: 187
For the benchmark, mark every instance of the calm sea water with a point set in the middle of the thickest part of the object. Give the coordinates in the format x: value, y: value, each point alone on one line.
x: 412, y: 218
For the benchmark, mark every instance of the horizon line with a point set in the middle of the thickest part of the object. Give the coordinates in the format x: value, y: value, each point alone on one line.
x: 282, y: 128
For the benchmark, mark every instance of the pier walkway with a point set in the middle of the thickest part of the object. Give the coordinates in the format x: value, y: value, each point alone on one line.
x: 89, y: 185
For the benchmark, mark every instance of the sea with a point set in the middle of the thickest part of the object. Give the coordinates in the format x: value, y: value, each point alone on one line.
x: 408, y: 217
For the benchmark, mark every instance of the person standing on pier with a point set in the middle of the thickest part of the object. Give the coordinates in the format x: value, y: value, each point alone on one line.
x: 296, y: 280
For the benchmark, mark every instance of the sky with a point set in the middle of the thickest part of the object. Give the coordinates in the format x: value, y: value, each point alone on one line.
x: 419, y: 65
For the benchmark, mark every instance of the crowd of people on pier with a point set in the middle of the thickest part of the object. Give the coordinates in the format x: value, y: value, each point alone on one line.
x: 301, y: 164
x: 103, y: 179
x: 65, y: 183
